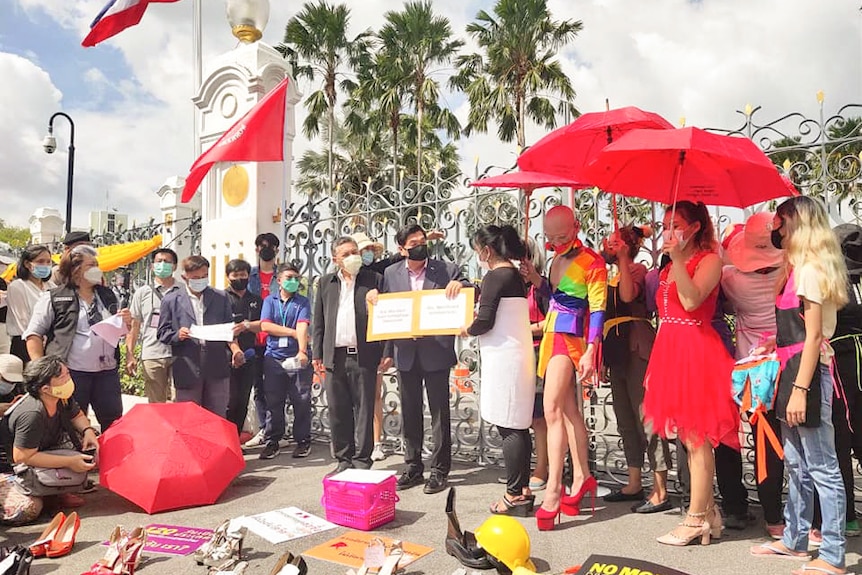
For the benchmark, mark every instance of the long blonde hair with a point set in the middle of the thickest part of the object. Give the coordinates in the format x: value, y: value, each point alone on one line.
x: 810, y: 241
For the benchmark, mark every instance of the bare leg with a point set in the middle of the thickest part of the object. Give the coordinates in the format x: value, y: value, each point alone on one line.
x: 540, y: 428
x: 578, y: 440
x: 558, y: 390
x: 659, y: 489
x: 701, y: 460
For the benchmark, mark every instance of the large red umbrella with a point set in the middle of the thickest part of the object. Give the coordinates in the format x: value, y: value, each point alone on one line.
x: 687, y: 164
x: 527, y: 181
x: 567, y: 150
x: 164, y: 456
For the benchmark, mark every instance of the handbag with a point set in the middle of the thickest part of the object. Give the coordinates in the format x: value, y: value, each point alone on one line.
x: 15, y: 560
x: 43, y: 481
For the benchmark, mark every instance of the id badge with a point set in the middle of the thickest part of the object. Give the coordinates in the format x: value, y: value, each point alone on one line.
x: 283, y: 342
x: 154, y: 320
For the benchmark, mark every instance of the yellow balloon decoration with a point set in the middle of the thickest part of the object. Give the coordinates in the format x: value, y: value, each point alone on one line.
x: 110, y: 257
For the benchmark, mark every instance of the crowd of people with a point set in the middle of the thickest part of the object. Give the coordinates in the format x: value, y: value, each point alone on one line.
x: 790, y: 283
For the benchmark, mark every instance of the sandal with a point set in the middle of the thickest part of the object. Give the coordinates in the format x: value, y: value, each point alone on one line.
x: 520, y: 507
x: 375, y: 557
x: 288, y: 564
x: 396, y: 554
x: 772, y: 550
x: 814, y: 570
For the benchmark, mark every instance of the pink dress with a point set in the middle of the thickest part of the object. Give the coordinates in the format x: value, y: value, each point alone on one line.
x: 688, y: 379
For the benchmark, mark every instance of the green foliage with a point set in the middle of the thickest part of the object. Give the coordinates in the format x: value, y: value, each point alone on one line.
x: 15, y: 236
x: 131, y: 385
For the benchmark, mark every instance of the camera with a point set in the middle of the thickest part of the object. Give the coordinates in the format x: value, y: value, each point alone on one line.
x: 50, y: 144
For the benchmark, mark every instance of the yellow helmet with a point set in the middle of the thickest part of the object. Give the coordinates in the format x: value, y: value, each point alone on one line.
x: 506, y: 540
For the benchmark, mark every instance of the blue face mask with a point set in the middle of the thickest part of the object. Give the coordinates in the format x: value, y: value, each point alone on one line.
x: 42, y: 272
x: 367, y: 257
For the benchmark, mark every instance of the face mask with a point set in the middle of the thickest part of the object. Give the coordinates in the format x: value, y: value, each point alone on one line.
x: 42, y: 272
x: 198, y: 285
x: 484, y: 265
x: 63, y: 391
x: 267, y: 254
x: 93, y: 275
x: 418, y: 253
x: 678, y: 234
x: 560, y: 249
x: 290, y: 285
x: 163, y: 269
x: 352, y: 264
x: 776, y: 239
x: 367, y: 258
x: 239, y: 284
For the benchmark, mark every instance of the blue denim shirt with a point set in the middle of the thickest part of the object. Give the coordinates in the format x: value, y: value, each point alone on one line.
x: 290, y: 313
x: 254, y: 281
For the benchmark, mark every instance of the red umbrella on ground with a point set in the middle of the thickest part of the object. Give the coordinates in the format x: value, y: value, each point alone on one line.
x: 568, y: 150
x: 164, y: 456
x: 687, y: 164
x: 527, y: 181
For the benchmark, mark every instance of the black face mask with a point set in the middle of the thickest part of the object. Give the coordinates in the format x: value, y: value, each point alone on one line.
x: 418, y: 253
x: 267, y: 254
x: 776, y: 239
x: 239, y: 285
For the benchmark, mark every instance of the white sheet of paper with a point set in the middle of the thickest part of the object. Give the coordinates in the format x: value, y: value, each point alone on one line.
x: 111, y: 330
x: 215, y: 332
x: 393, y: 316
x: 436, y: 311
x: 286, y: 524
x: 372, y: 476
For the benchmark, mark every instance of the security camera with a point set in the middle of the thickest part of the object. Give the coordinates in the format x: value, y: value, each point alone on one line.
x: 49, y: 143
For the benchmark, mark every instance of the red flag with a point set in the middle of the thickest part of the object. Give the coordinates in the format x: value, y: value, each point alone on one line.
x: 256, y: 137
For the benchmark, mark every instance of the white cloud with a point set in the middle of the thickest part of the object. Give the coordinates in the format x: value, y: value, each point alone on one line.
x: 702, y: 60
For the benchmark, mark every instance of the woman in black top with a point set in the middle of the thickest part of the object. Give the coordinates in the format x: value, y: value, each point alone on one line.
x: 508, y: 366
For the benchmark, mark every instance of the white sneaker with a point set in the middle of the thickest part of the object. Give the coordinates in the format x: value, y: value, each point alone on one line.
x: 255, y: 441
x: 378, y: 454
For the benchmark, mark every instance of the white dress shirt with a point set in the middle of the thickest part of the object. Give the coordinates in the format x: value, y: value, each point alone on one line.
x: 345, y: 319
x: 197, y: 306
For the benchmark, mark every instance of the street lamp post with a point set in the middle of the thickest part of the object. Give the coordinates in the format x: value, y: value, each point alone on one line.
x: 50, y: 145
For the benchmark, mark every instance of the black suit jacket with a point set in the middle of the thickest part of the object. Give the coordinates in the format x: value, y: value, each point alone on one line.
x: 435, y: 352
x: 326, y: 312
x: 193, y: 361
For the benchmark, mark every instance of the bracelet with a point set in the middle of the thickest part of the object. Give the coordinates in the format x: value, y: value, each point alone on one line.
x: 93, y: 429
x: 805, y: 389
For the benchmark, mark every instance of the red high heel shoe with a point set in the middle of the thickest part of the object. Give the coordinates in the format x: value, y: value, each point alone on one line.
x: 62, y: 543
x: 546, y: 520
x: 571, y: 504
x: 40, y: 546
x: 134, y: 550
x: 112, y: 562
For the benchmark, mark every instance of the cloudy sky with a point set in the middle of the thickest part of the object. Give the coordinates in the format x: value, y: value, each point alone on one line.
x: 130, y: 96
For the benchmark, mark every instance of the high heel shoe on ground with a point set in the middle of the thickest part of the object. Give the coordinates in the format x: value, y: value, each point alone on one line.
x: 390, y: 565
x: 215, y: 540
x: 288, y: 564
x: 133, y: 550
x: 571, y: 504
x: 64, y: 540
x: 230, y: 546
x: 521, y: 507
x: 39, y: 547
x: 547, y: 520
x: 112, y: 562
x: 703, y: 530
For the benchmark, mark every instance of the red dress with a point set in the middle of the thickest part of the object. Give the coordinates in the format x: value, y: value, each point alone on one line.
x: 688, y: 379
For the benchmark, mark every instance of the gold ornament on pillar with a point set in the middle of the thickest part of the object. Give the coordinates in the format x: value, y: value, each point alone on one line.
x: 247, y: 18
x: 234, y: 186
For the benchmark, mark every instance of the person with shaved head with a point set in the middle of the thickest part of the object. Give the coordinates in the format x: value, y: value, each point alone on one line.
x: 577, y: 287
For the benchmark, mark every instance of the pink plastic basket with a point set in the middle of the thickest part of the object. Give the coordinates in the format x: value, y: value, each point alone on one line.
x: 364, y: 506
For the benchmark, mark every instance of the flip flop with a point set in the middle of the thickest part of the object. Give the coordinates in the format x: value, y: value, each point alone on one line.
x: 770, y: 550
x: 812, y: 570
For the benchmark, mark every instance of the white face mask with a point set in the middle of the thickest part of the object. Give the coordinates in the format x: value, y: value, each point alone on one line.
x: 199, y: 284
x: 678, y: 234
x: 93, y: 276
x: 352, y: 264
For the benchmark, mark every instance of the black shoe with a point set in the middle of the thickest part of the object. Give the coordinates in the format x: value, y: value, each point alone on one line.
x: 303, y: 448
x: 435, y: 484
x: 270, y: 451
x: 408, y: 480
x: 342, y: 466
x: 619, y: 495
x: 648, y: 506
x: 738, y: 521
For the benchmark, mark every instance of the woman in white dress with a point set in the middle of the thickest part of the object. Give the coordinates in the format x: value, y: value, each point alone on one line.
x: 33, y: 278
x: 508, y: 365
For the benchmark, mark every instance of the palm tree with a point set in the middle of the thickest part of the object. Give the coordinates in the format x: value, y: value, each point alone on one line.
x: 420, y: 43
x: 317, y: 46
x: 509, y: 82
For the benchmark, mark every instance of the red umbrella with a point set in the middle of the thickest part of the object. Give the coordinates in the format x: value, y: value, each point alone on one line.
x: 567, y: 150
x: 687, y: 164
x: 164, y: 456
x: 527, y: 181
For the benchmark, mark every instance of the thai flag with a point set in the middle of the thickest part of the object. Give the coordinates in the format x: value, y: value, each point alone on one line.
x: 116, y: 16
